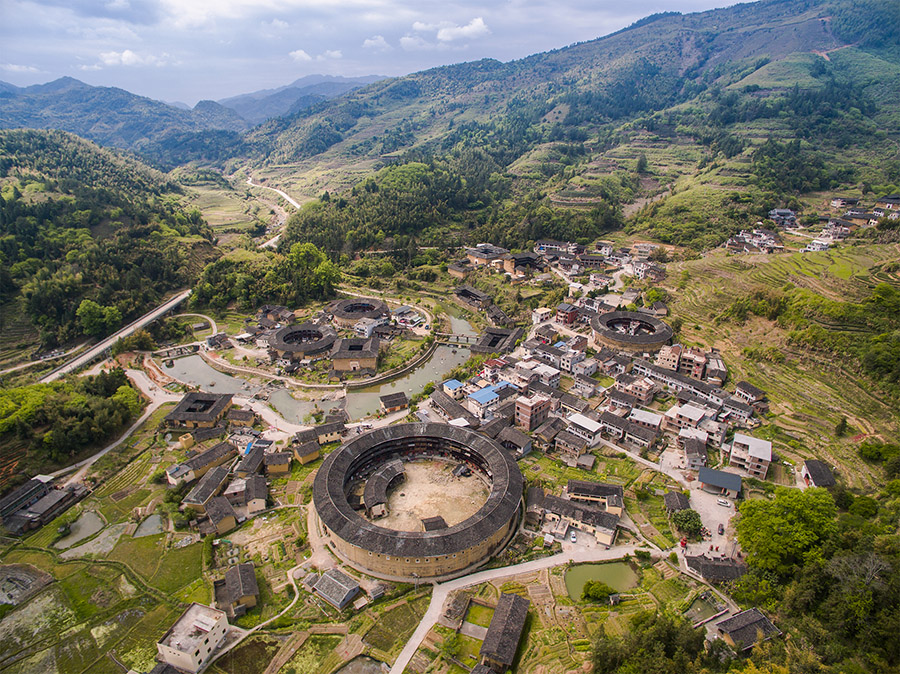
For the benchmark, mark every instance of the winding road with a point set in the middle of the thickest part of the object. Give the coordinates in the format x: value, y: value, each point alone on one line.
x: 271, y: 243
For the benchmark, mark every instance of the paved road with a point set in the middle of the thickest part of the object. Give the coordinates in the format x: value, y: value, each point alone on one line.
x: 212, y: 323
x: 127, y: 331
x: 286, y: 196
x: 157, y: 397
x: 442, y: 590
x: 30, y: 363
x: 271, y: 243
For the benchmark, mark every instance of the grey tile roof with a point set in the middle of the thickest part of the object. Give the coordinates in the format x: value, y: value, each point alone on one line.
x: 251, y: 462
x: 218, y: 508
x: 207, y: 486
x: 240, y: 582
x: 581, y: 512
x: 675, y: 501
x: 716, y: 570
x: 819, y: 473
x: 502, y: 638
x: 336, y: 587
x: 198, y: 407
x: 591, y: 489
x: 223, y: 449
x: 718, y: 478
x: 746, y: 628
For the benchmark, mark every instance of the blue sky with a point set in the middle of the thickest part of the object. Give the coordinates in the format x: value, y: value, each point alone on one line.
x: 188, y: 50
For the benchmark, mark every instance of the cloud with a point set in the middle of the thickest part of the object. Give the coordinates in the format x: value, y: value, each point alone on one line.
x: 127, y: 57
x: 330, y: 54
x: 377, y: 43
x: 16, y: 68
x: 423, y: 27
x: 475, y: 28
x: 300, y: 56
x: 415, y: 43
x: 277, y: 24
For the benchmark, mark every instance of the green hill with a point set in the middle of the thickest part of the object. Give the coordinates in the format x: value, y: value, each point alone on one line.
x: 83, y: 224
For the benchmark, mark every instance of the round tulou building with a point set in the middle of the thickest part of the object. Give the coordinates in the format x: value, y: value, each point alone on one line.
x: 629, y: 331
x: 419, y: 500
x: 303, y: 340
x: 348, y: 313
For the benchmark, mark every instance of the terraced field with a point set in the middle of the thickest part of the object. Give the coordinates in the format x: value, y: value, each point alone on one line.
x: 809, y: 391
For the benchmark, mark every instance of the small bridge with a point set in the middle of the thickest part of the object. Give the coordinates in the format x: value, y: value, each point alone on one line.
x: 452, y: 338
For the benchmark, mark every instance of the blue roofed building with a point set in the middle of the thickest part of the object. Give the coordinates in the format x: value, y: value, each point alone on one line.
x: 453, y: 388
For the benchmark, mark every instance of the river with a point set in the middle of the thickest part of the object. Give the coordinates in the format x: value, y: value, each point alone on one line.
x: 359, y: 403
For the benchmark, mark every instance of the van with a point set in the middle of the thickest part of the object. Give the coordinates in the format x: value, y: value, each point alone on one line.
x: 723, y: 502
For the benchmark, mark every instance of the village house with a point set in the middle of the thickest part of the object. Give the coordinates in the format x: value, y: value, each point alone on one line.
x: 394, y: 402
x: 744, y: 630
x: 238, y: 591
x: 501, y: 641
x: 752, y: 455
x: 719, y: 482
x: 306, y: 452
x: 817, y: 474
x: 336, y: 587
x: 197, y: 466
x: 207, y: 487
x: 194, y: 637
x: 532, y: 411
x: 610, y: 496
x: 199, y: 410
x: 485, y: 254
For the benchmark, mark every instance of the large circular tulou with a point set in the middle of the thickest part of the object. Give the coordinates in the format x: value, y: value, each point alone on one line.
x: 443, y: 552
x: 629, y: 331
x: 348, y: 312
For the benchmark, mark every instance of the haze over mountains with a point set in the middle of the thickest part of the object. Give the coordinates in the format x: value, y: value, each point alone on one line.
x: 115, y: 117
x: 657, y: 64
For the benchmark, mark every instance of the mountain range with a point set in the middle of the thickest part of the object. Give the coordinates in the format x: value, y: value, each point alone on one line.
x: 118, y: 118
x: 664, y: 64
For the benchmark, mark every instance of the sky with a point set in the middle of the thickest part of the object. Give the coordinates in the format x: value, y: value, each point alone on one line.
x: 189, y: 50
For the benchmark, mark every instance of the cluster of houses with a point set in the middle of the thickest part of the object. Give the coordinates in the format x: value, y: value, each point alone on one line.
x: 229, y: 477
x: 758, y: 240
x: 37, y: 502
x: 572, y: 259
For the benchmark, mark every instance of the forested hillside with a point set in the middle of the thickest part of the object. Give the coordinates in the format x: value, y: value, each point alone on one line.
x: 89, y: 238
x: 107, y: 115
x: 726, y: 114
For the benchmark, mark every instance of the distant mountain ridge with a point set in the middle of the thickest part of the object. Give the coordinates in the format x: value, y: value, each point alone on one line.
x: 107, y: 115
x: 259, y: 106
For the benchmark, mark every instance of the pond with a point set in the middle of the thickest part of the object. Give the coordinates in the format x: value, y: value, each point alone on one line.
x: 618, y: 575
x: 363, y: 665
x: 151, y: 525
x: 702, y: 608
x: 360, y: 403
x: 85, y: 526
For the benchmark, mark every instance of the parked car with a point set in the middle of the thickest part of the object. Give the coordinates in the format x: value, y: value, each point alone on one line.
x: 573, y: 537
x: 723, y: 502
x: 721, y: 528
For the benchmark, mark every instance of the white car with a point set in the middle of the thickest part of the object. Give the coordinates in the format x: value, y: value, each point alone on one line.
x: 723, y: 502
x: 573, y: 537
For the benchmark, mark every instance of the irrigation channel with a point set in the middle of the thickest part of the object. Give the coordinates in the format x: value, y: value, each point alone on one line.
x: 359, y: 403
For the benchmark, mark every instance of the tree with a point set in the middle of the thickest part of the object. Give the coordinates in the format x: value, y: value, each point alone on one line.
x: 96, y: 320
x: 841, y: 427
x: 688, y: 521
x: 596, y: 590
x: 642, y: 163
x: 781, y: 534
